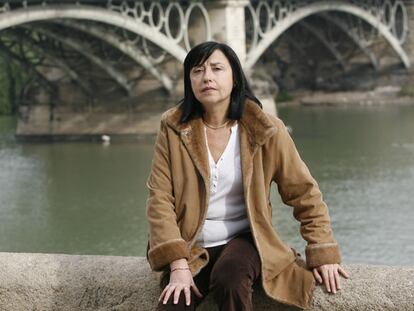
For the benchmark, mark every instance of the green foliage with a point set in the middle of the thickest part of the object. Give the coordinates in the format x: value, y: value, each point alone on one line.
x: 12, y: 79
x: 5, y: 85
x: 407, y: 90
x: 283, y: 96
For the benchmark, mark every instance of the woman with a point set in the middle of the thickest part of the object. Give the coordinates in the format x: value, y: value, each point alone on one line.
x: 209, y: 213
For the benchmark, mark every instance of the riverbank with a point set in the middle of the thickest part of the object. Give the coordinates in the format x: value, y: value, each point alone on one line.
x: 37, y: 125
x: 386, y: 95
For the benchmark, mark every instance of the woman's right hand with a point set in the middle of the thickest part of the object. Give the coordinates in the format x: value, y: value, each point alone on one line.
x: 180, y: 280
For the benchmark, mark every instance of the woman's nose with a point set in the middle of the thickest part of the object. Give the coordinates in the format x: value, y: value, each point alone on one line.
x: 207, y: 74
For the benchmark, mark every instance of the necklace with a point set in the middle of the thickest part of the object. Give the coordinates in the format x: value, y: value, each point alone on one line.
x: 216, y: 127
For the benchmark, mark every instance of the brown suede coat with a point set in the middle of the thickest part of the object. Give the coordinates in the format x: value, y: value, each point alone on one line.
x: 179, y: 194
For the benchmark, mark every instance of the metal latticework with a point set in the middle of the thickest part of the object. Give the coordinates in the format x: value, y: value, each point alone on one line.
x: 271, y: 18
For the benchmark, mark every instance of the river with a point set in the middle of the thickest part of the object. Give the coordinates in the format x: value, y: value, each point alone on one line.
x: 88, y: 198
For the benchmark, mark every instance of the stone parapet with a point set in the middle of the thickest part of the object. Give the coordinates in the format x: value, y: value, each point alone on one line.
x: 78, y: 282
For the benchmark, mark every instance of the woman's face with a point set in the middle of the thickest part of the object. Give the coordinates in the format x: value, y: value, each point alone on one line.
x: 212, y: 81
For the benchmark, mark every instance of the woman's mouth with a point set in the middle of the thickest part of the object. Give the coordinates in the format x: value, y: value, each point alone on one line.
x: 208, y: 88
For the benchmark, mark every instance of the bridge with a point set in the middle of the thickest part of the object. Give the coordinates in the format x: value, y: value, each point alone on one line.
x: 91, y: 53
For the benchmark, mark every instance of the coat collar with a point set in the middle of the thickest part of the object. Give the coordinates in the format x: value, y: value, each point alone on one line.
x: 255, y: 129
x: 257, y: 124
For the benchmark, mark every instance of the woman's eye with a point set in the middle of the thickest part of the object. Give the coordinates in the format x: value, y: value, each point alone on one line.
x: 217, y: 68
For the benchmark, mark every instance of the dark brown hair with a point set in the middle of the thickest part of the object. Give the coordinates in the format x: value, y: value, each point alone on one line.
x: 190, y: 106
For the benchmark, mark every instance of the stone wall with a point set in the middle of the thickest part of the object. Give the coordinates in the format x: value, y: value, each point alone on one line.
x: 75, y: 282
x: 67, y: 124
x: 37, y: 123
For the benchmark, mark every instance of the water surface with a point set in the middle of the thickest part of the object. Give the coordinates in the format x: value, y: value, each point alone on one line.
x: 87, y: 198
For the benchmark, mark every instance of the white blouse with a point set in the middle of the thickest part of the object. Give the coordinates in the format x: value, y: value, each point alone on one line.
x: 226, y: 214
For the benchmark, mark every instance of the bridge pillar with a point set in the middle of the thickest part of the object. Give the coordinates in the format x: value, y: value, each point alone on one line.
x: 227, y: 24
x: 409, y: 44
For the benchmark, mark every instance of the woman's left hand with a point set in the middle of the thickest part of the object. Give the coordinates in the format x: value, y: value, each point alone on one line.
x: 329, y: 275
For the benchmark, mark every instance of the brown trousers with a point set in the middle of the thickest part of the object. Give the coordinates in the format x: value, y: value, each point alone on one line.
x: 229, y: 276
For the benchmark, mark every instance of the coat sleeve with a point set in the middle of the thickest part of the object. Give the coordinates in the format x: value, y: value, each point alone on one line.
x: 165, y: 242
x: 300, y: 190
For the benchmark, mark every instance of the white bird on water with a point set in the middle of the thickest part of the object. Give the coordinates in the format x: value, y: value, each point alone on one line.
x: 106, y: 139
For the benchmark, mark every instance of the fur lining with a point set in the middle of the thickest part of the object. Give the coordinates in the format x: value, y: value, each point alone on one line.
x: 257, y: 123
x: 254, y: 119
x: 164, y: 253
x: 322, y: 254
x: 314, y: 246
x: 199, y: 259
x: 193, y: 136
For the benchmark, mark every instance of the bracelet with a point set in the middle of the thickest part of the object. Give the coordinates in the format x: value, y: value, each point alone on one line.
x: 179, y: 269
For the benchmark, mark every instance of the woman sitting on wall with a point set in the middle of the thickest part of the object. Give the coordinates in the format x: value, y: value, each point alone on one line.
x: 210, y: 218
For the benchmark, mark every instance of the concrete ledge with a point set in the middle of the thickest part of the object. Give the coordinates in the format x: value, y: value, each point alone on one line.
x: 74, y: 282
x: 34, y: 125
